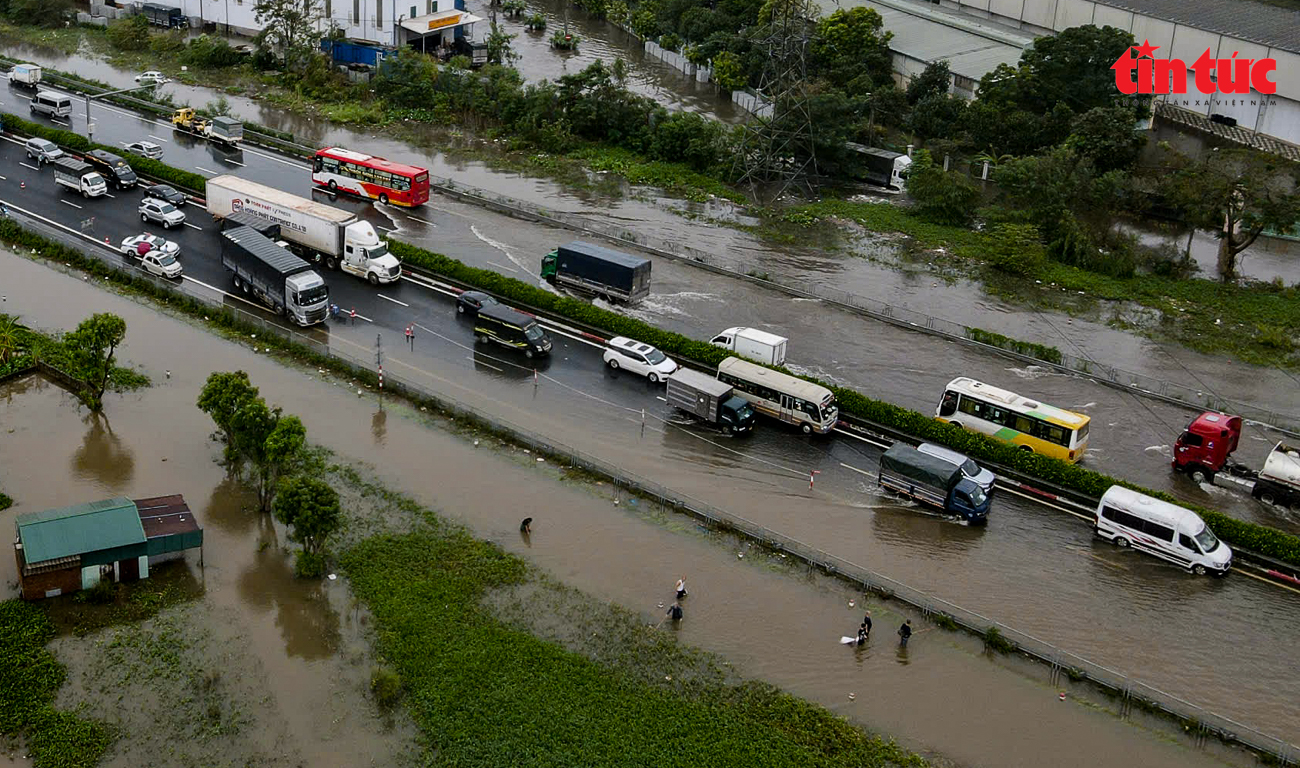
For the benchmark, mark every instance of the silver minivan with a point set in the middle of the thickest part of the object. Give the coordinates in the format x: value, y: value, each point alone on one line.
x: 51, y: 104
x: 969, y: 469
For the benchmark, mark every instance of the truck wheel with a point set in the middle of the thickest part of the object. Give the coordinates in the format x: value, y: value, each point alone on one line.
x: 331, y: 262
x: 1197, y: 570
x: 1121, y: 542
x: 726, y: 429
x: 239, y: 284
x: 373, y: 278
x: 1202, y: 475
x: 1268, y: 498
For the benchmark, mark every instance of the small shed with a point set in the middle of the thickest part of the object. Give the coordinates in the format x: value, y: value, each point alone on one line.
x: 59, y: 551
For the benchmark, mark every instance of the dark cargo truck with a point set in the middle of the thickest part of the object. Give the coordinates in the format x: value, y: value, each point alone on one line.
x: 164, y: 16
x: 600, y: 271
x: 709, y: 400
x: 932, y: 481
x: 272, y: 274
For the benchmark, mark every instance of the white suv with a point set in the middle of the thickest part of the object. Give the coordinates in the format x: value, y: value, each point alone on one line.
x: 166, y: 214
x: 639, y: 358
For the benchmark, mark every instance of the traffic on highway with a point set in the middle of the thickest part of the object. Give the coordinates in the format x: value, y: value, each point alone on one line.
x: 1097, y: 600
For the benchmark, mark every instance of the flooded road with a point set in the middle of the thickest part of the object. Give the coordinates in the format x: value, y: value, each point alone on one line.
x: 1131, y: 613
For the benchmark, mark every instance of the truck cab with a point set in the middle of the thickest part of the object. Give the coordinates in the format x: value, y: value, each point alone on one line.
x: 79, y: 176
x: 736, y: 415
x: 365, y: 255
x: 933, y: 481
x: 1203, y: 448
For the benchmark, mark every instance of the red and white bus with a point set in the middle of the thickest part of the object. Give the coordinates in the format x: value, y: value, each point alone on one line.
x: 372, y: 177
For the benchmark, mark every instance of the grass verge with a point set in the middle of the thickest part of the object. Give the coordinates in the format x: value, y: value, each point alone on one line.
x: 486, y: 694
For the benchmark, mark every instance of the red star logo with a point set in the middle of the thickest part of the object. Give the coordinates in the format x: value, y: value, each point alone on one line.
x: 1146, y: 49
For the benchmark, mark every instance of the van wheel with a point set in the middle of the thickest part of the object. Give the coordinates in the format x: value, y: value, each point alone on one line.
x: 460, y: 309
x: 1121, y: 542
x: 1202, y: 475
x: 483, y: 338
x: 613, y: 364
x: 528, y: 353
x: 1198, y: 570
x: 653, y: 377
x: 144, y: 218
x: 807, y: 428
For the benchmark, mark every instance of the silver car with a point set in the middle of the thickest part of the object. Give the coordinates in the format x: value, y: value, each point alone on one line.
x: 42, y: 150
x: 969, y: 469
x: 165, y: 214
x: 145, y: 149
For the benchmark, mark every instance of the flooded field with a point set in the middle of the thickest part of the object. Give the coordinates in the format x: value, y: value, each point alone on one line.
x: 302, y: 642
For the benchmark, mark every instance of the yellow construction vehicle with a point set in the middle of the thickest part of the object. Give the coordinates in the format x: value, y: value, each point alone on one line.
x: 223, y: 130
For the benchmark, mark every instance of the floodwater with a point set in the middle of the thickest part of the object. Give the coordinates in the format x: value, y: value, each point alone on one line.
x: 769, y: 625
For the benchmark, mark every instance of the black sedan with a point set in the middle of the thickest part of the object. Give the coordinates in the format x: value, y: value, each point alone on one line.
x: 470, y: 302
x: 167, y: 194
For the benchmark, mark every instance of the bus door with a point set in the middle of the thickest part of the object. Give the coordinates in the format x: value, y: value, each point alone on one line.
x: 790, y: 409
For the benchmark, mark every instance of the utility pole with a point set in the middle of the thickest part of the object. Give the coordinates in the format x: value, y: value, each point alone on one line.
x: 90, y: 127
x: 379, y: 362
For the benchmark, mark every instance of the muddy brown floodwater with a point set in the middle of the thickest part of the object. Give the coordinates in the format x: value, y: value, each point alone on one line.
x: 302, y: 643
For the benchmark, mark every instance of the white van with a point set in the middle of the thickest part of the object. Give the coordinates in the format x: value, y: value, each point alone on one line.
x: 1165, y: 530
x: 52, y: 104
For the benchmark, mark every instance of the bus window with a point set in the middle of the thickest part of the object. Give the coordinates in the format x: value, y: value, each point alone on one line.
x: 973, y: 407
x: 1024, y: 424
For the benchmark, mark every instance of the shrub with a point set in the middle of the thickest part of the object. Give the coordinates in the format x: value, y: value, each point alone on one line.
x: 309, y: 565
x: 994, y: 641
x: 1038, y: 351
x: 944, y: 197
x: 670, y: 41
x: 1015, y: 249
x: 386, y: 687
x: 103, y: 593
x: 210, y: 53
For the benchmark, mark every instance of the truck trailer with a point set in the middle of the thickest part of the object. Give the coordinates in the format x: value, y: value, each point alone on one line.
x: 601, y: 271
x: 1204, y: 452
x: 932, y: 481
x: 314, y: 231
x: 882, y: 167
x: 710, y: 401
x: 79, y: 176
x: 164, y: 16
x: 276, y: 277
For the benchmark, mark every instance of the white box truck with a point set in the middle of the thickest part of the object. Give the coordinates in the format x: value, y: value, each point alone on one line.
x: 25, y: 75
x: 752, y: 343
x: 78, y: 176
x: 316, y: 232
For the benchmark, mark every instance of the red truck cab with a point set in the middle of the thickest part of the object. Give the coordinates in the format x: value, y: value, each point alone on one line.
x: 1203, y: 448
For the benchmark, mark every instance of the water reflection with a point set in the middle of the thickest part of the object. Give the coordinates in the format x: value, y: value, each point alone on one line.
x: 307, y: 621
x: 940, y: 537
x: 102, y: 456
x: 231, y: 507
x: 379, y: 426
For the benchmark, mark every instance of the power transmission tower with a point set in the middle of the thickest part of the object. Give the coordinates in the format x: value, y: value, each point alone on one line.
x: 777, y: 148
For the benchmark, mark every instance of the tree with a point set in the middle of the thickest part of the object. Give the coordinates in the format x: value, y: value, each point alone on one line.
x: 727, y: 72
x: 1238, y: 193
x: 290, y: 26
x: 1108, y: 137
x: 499, y: 50
x: 1072, y: 67
x: 934, y: 80
x: 281, y: 456
x: 38, y: 13
x: 91, y: 348
x: 224, y: 395
x: 942, y: 196
x: 851, y: 44
x: 130, y: 33
x: 310, y: 508
x: 406, y: 79
x: 937, y: 116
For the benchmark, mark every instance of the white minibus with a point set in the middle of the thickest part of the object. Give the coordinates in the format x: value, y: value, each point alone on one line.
x: 1165, y: 530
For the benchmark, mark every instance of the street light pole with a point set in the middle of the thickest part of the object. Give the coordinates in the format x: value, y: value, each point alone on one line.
x: 90, y: 127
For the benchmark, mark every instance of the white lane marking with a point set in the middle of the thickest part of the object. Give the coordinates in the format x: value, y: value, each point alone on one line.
x: 4, y: 178
x: 60, y: 122
x: 503, y: 266
x: 232, y: 162
x: 422, y: 221
x: 385, y: 229
x: 485, y: 365
x: 106, y: 194
x: 65, y: 202
x: 395, y: 301
x: 25, y: 165
x: 159, y: 138
x: 192, y: 226
x: 205, y: 170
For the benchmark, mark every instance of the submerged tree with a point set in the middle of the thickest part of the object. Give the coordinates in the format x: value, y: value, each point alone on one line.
x: 310, y: 508
x: 91, y: 348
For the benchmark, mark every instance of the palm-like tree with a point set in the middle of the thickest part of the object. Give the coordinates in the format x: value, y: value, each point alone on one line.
x: 10, y: 338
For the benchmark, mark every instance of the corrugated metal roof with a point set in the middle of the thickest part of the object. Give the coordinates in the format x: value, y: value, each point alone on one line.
x: 89, y: 527
x: 1256, y: 22
x: 968, y: 54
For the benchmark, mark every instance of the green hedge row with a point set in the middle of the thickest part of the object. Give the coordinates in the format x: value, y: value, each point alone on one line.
x: 1258, y: 538
x: 1029, y: 348
x: 191, y: 182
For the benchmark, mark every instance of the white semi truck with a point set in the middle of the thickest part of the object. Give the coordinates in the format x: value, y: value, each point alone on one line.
x: 314, y: 231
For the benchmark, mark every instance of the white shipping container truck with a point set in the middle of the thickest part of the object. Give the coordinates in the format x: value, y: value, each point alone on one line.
x: 315, y: 231
x: 760, y: 346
